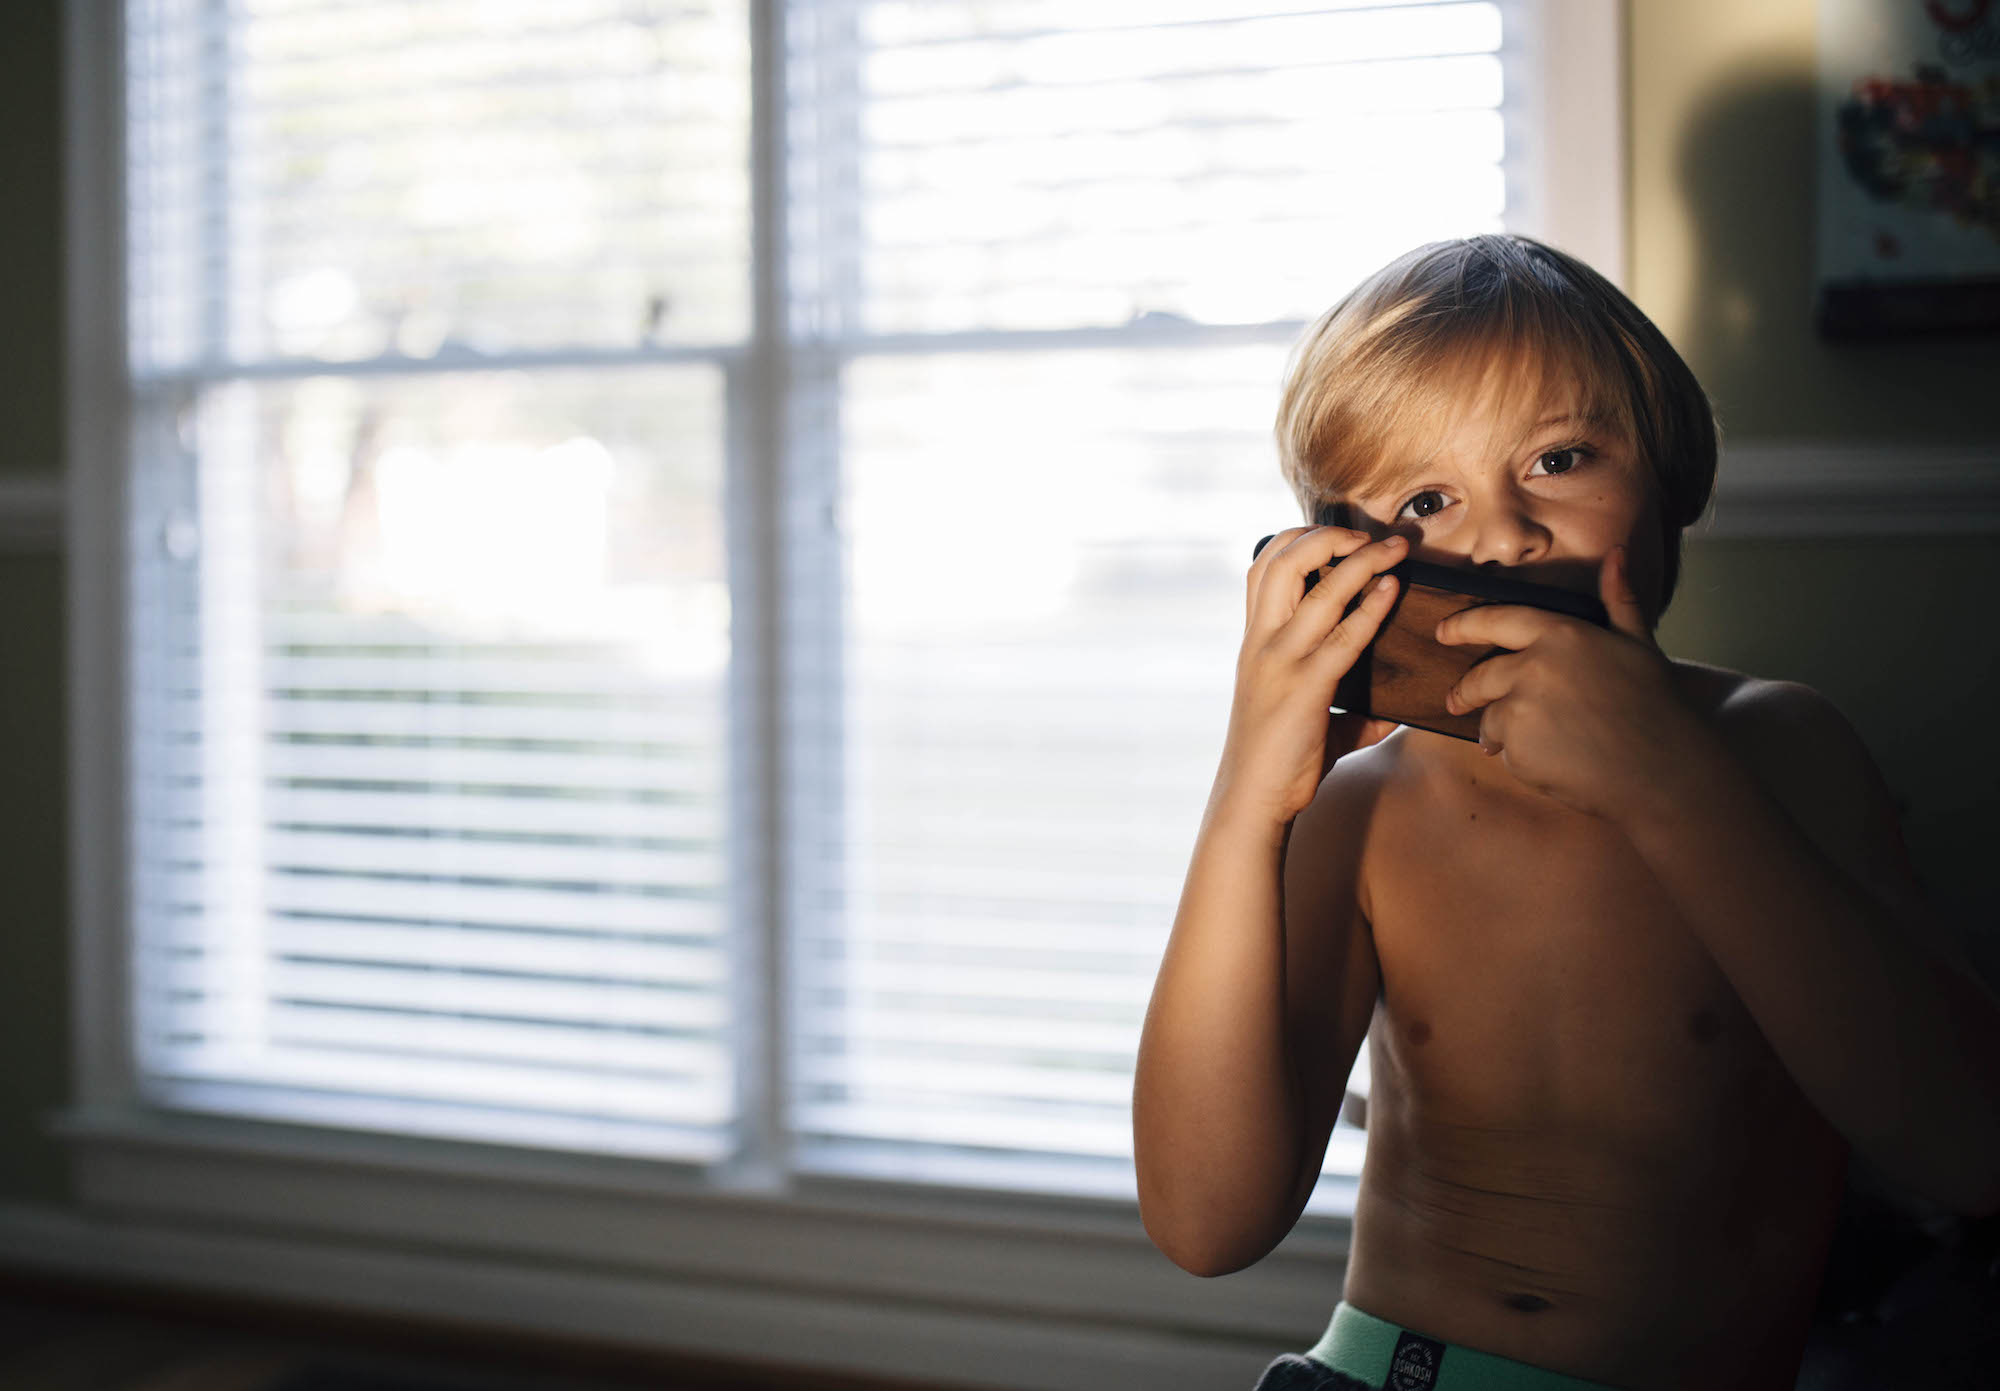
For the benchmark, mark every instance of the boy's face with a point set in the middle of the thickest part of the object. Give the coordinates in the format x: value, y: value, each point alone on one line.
x: 1540, y: 493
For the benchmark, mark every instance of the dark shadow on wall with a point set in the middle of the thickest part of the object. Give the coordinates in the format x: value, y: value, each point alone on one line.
x: 1895, y: 630
x: 1745, y: 164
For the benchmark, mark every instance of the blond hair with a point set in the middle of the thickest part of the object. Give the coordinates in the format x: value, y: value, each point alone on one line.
x: 1488, y: 318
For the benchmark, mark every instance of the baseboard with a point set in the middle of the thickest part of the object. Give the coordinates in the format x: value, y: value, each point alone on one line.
x: 795, y: 1334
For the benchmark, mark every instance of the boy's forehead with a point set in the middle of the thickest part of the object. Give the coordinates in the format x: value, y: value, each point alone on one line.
x: 1496, y: 420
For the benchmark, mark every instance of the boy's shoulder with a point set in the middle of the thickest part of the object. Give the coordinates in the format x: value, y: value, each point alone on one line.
x: 1809, y: 758
x: 1712, y: 689
x: 1779, y: 727
x: 1789, y: 737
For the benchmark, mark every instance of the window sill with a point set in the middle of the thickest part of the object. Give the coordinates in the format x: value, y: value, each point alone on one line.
x: 853, y: 1274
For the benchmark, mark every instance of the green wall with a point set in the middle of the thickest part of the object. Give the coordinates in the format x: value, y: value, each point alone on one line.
x: 31, y: 238
x: 34, y: 969
x: 34, y: 966
x: 1721, y: 211
x: 1896, y: 632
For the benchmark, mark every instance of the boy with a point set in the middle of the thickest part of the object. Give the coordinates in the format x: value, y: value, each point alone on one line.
x: 1635, y: 970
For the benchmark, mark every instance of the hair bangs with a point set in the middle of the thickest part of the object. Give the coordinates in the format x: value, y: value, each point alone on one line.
x: 1409, y: 389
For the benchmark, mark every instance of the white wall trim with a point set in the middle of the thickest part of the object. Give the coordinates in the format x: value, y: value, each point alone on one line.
x: 928, y: 1343
x: 1578, y: 103
x: 1009, y: 1291
x: 95, y: 513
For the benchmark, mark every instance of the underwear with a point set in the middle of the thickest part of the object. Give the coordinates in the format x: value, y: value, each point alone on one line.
x: 1381, y: 1354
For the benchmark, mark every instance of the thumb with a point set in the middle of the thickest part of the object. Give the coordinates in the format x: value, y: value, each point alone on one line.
x: 1621, y: 601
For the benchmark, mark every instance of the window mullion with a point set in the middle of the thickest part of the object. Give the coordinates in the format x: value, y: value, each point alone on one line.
x: 756, y: 396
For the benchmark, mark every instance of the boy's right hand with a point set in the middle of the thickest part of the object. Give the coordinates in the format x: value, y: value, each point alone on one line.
x: 1296, y: 648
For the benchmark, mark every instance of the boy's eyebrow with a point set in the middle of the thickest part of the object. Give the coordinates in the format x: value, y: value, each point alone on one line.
x: 1391, y: 482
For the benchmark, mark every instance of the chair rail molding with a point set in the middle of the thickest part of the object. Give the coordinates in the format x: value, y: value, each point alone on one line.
x: 1788, y: 489
x: 31, y: 512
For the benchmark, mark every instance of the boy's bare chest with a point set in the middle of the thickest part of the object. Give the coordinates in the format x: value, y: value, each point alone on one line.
x: 1568, y: 1101
x: 1531, y: 964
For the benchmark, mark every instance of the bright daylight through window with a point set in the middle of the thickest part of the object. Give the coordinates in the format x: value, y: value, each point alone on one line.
x: 449, y: 356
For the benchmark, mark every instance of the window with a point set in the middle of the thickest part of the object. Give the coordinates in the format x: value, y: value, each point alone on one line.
x: 1046, y: 263
x: 435, y: 313
x: 682, y: 561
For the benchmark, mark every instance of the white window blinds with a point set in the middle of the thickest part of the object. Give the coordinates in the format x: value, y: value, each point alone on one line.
x: 1046, y: 262
x: 433, y: 311
x: 441, y: 329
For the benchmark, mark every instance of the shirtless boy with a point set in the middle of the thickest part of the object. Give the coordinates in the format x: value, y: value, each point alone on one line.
x: 1635, y: 970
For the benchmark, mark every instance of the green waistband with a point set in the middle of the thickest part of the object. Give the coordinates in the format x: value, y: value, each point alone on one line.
x: 1386, y: 1355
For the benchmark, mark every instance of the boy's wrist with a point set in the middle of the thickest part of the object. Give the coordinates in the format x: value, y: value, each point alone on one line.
x: 1240, y: 813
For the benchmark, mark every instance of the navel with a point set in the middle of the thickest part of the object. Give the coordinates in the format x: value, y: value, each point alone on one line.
x: 1526, y: 1303
x: 1704, y: 1025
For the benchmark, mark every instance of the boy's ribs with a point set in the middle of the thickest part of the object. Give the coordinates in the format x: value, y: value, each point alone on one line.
x: 1554, y: 1199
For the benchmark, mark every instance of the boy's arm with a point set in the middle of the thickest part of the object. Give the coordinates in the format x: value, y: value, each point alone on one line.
x: 1263, y: 995
x: 1779, y: 847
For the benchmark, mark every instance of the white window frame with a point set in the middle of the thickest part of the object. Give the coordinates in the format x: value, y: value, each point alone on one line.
x: 924, y: 1282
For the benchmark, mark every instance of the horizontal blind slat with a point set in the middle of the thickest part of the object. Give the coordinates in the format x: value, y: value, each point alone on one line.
x: 548, y: 816
x: 546, y: 1002
x: 513, y: 1086
x: 625, y: 1049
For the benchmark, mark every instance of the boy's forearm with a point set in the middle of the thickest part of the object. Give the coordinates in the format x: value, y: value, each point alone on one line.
x: 1900, y: 1051
x: 1215, y: 1111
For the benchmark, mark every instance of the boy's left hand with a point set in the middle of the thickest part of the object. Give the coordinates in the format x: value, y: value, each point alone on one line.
x: 1587, y: 715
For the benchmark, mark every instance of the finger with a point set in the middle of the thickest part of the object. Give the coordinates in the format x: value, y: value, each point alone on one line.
x: 1485, y: 683
x: 1277, y: 588
x: 1321, y: 612
x: 1334, y: 651
x: 1260, y: 565
x: 1621, y: 600
x: 1499, y: 625
x: 1491, y: 740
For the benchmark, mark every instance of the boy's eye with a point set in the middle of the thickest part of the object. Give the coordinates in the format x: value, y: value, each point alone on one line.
x: 1571, y: 455
x: 1420, y: 513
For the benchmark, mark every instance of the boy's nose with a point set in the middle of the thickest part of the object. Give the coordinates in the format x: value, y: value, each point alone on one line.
x: 1508, y: 536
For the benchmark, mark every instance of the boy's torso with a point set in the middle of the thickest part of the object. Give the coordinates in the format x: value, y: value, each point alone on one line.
x: 1581, y: 1151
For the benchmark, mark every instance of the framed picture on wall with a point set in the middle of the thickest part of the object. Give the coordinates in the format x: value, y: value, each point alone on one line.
x: 1908, y: 131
